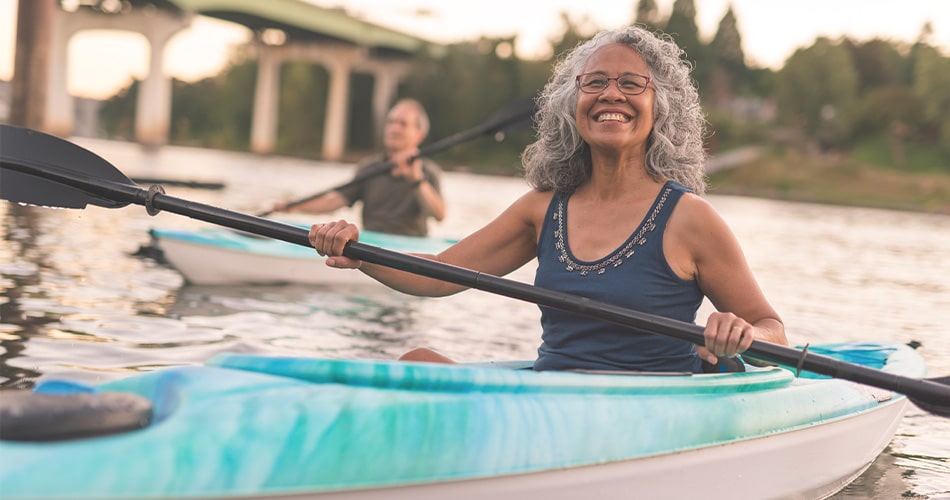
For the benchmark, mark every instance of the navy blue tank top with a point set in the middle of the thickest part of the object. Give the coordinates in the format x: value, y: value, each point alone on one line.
x: 635, y: 276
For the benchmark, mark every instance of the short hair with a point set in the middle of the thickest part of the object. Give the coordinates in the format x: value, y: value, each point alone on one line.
x: 421, y: 114
x: 560, y: 159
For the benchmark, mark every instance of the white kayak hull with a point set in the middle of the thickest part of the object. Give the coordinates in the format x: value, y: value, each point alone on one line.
x: 810, y: 463
x: 216, y: 256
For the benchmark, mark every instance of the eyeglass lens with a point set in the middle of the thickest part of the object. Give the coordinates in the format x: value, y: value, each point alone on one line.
x: 630, y: 84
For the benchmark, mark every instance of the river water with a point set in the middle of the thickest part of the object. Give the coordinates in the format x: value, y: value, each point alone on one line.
x: 75, y: 303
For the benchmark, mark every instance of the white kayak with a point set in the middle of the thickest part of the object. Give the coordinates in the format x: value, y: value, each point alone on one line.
x: 246, y: 426
x: 217, y: 256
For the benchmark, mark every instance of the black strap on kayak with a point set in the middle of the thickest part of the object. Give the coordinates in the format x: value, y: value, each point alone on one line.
x: 724, y: 365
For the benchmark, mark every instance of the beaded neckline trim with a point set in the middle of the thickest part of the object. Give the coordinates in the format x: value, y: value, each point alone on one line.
x: 615, y: 260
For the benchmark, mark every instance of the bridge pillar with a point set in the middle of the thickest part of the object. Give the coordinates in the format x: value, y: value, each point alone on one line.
x: 59, y: 104
x: 338, y: 99
x: 154, y: 101
x: 35, y: 31
x: 266, y: 100
x: 340, y: 60
x: 386, y: 78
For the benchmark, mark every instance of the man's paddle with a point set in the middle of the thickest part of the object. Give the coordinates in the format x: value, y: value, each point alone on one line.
x: 40, y: 169
x: 517, y: 115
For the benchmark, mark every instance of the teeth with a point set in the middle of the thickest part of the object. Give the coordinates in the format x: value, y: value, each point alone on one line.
x: 617, y: 117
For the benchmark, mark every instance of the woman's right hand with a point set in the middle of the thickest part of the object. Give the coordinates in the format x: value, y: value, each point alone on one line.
x: 330, y: 238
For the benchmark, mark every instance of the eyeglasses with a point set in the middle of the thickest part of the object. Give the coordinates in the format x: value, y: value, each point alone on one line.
x: 628, y: 83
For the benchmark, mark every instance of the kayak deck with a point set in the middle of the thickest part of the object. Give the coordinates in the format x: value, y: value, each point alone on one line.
x: 249, y: 425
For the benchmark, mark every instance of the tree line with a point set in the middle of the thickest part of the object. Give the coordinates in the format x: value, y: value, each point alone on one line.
x: 889, y: 99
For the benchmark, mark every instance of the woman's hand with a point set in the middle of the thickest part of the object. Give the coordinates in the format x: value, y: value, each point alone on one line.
x: 726, y: 335
x: 329, y: 240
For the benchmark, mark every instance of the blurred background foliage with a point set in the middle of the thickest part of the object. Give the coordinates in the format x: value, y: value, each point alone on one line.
x: 875, y: 101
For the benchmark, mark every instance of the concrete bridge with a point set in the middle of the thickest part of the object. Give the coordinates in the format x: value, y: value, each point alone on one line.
x: 284, y: 30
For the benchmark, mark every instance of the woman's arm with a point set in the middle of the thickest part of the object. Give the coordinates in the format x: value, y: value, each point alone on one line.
x: 700, y: 245
x: 500, y: 247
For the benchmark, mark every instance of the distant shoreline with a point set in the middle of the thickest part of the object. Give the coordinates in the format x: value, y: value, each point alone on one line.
x: 834, y: 180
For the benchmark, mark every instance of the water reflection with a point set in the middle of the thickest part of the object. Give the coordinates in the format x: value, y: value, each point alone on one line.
x: 340, y: 322
x: 881, y: 480
x: 18, y: 276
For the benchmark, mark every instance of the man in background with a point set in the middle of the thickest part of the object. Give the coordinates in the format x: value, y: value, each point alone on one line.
x: 399, y: 201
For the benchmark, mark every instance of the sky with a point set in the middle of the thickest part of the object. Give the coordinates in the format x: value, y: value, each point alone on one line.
x: 103, y: 62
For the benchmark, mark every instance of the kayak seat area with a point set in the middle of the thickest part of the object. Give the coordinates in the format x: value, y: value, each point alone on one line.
x: 503, y: 377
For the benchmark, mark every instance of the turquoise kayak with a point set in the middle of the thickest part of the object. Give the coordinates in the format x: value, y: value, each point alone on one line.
x: 218, y: 256
x: 246, y: 426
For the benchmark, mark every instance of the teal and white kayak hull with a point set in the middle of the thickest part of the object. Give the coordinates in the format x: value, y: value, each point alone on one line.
x: 217, y: 256
x: 250, y: 426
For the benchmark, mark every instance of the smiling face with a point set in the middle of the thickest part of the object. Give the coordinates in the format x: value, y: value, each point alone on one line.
x: 611, y: 120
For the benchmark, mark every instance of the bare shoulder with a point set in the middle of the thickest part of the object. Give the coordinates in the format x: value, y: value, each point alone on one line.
x: 693, y: 213
x: 521, y: 220
x: 507, y: 242
x: 535, y: 197
x: 699, y: 229
x: 532, y: 206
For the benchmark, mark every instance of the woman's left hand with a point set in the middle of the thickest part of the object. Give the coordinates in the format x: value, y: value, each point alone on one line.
x: 726, y: 335
x: 330, y: 239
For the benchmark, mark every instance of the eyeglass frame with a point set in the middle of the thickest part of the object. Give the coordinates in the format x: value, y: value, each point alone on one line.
x: 577, y: 80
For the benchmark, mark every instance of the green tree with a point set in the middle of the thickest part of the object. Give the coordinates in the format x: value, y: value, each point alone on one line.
x: 726, y: 46
x: 117, y: 114
x: 682, y: 27
x: 469, y: 83
x: 363, y: 133
x: 647, y: 13
x: 727, y: 60
x: 817, y: 90
x: 932, y: 86
x: 232, y: 106
x: 891, y: 113
x: 192, y: 112
x: 302, y: 111
x: 572, y: 33
x: 879, y: 64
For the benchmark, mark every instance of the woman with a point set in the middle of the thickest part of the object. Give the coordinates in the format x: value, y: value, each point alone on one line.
x: 615, y: 215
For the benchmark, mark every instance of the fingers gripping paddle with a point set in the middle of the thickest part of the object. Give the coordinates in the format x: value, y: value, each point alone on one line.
x: 515, y: 116
x: 31, y: 169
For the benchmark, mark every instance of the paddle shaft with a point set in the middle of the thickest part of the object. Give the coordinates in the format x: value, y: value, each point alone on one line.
x: 515, y: 116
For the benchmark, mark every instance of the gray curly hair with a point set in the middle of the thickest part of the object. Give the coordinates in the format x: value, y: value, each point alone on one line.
x: 560, y: 159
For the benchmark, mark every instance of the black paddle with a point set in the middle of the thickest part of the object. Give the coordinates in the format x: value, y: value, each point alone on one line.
x: 212, y: 185
x: 517, y: 115
x: 40, y: 169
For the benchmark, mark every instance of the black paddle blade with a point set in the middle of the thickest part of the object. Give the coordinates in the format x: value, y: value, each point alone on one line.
x: 21, y: 146
x: 936, y: 406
